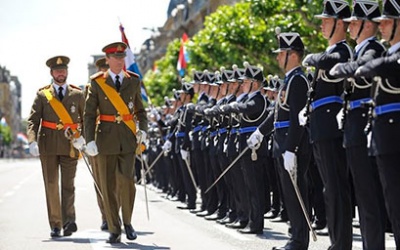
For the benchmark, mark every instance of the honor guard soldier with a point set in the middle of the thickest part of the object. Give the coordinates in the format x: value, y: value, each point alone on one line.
x: 324, y: 104
x: 386, y: 112
x: 58, y: 107
x: 116, y: 95
x: 291, y: 145
x: 252, y: 113
x: 357, y: 97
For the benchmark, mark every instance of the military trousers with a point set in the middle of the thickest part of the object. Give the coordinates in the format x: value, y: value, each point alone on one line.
x: 117, y: 183
x: 52, y: 165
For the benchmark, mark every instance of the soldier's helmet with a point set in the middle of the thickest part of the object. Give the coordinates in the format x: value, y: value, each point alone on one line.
x: 237, y: 74
x: 364, y: 10
x: 391, y: 10
x: 208, y: 78
x: 252, y: 72
x: 225, y: 75
x: 289, y: 41
x: 187, y: 88
x: 338, y: 9
x: 197, y: 77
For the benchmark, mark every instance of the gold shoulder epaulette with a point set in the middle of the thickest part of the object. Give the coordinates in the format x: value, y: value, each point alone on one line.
x: 75, y: 87
x: 132, y: 74
x: 45, y: 87
x: 96, y: 75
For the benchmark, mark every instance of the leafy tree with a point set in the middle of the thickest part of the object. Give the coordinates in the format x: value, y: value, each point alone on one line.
x: 5, y: 134
x: 238, y: 33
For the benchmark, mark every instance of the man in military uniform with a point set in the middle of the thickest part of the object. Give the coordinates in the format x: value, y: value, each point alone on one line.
x: 116, y: 95
x: 57, y: 107
x: 367, y: 186
x: 291, y: 141
x: 327, y: 138
x: 386, y: 112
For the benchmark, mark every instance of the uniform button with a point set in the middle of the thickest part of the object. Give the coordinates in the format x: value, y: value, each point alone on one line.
x: 390, y: 120
x: 105, y: 98
x: 99, y: 130
x: 328, y: 110
x: 363, y: 114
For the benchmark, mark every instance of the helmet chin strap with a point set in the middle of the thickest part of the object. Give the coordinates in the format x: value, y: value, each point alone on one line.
x: 393, y: 30
x: 360, y: 30
x: 286, y: 60
x: 333, y: 28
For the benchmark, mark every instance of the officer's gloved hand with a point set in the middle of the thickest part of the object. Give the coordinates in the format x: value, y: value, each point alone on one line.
x: 312, y: 60
x: 34, y: 149
x: 91, y: 148
x: 167, y: 146
x: 226, y: 109
x: 382, y: 66
x: 255, y: 139
x: 339, y: 118
x: 207, y: 111
x: 141, y: 136
x: 185, y: 154
x: 156, y: 114
x: 348, y: 69
x: 302, y: 117
x: 79, y: 142
x: 289, y: 161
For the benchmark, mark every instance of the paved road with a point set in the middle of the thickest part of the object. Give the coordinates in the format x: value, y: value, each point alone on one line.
x: 23, y: 219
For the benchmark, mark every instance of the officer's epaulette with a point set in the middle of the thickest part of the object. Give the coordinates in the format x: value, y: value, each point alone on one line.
x: 74, y: 87
x: 132, y: 74
x: 45, y: 87
x: 96, y: 75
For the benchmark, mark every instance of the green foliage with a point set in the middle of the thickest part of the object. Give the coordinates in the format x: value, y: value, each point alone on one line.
x: 6, y: 135
x: 238, y: 33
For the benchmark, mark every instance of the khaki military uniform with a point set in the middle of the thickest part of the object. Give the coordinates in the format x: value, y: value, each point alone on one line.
x: 55, y: 151
x: 116, y: 145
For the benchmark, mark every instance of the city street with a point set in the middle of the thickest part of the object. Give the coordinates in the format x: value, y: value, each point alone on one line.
x: 23, y: 219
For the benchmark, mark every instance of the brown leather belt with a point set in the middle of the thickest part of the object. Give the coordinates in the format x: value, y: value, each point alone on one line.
x: 116, y: 118
x: 59, y: 126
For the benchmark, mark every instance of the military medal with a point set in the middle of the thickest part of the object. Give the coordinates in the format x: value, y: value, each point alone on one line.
x: 73, y: 108
x: 130, y: 105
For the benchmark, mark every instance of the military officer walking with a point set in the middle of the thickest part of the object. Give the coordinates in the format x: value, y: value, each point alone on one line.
x: 57, y: 107
x: 116, y: 95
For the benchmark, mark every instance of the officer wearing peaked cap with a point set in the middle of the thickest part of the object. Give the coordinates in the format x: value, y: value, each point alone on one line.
x: 116, y: 95
x: 57, y: 107
x: 386, y: 113
x: 354, y: 120
x: 102, y: 64
x: 291, y: 142
x: 325, y: 104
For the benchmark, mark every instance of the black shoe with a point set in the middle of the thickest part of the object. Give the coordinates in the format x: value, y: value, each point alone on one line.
x: 227, y: 219
x: 55, y: 232
x: 186, y: 207
x: 114, y: 238
x: 291, y: 246
x: 237, y: 224
x: 69, y: 228
x: 248, y: 230
x: 280, y: 219
x: 272, y: 214
x: 214, y: 216
x: 195, y: 211
x: 318, y: 225
x: 130, y: 232
x: 104, y: 226
x: 204, y: 213
x: 322, y: 232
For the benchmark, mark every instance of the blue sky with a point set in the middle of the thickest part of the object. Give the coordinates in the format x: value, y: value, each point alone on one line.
x: 33, y: 31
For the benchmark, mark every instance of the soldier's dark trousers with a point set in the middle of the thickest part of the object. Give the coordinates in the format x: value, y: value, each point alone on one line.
x: 298, y: 223
x: 331, y: 161
x: 198, y: 165
x: 369, y: 197
x: 316, y: 194
x: 389, y: 172
x: 189, y: 187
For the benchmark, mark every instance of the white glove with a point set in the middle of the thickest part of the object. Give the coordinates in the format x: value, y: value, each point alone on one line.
x: 79, y: 142
x: 141, y: 136
x: 155, y: 113
x: 339, y: 118
x: 34, y: 149
x: 91, y: 148
x: 302, y: 117
x: 255, y: 139
x: 289, y: 161
x: 185, y: 154
x: 167, y: 146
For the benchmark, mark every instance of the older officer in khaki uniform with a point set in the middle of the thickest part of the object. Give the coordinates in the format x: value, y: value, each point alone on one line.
x: 116, y: 94
x: 57, y: 106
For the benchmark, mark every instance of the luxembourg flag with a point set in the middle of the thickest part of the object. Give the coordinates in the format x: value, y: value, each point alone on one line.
x: 183, y: 58
x: 130, y: 63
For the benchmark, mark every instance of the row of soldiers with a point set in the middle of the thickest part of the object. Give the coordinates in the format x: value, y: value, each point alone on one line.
x: 345, y: 119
